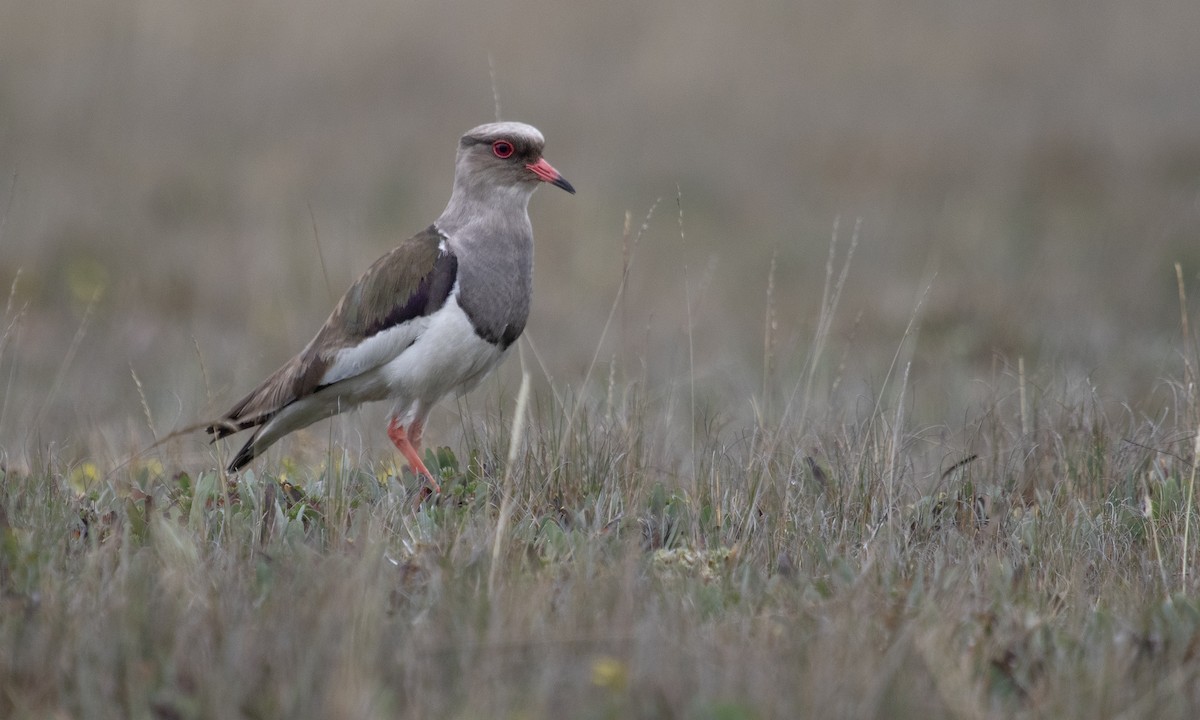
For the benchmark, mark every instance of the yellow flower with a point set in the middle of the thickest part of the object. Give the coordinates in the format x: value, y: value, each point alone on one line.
x: 152, y: 467
x: 83, y: 476
x: 609, y: 672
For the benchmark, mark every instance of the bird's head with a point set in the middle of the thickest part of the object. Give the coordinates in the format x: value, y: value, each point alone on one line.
x: 506, y: 154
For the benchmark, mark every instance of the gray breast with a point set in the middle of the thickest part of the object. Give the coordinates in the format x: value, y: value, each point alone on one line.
x: 495, y: 290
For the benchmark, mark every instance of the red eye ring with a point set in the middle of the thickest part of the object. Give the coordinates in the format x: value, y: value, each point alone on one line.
x: 502, y: 149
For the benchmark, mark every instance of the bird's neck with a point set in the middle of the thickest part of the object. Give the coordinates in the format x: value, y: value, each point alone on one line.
x: 492, y: 215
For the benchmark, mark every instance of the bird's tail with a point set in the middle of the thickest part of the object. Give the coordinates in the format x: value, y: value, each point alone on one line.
x: 244, y: 456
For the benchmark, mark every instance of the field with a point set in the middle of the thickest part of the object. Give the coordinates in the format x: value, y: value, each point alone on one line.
x: 861, y: 379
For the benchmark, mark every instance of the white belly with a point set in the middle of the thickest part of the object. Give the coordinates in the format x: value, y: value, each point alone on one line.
x: 448, y: 356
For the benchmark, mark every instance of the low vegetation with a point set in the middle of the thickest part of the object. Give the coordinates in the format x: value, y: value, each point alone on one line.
x: 591, y: 558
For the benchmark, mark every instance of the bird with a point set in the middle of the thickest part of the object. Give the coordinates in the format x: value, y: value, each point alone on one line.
x: 432, y: 317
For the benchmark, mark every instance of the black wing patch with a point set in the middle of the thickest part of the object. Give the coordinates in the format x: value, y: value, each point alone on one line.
x: 429, y: 297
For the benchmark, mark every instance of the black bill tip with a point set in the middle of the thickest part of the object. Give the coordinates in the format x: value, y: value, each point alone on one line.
x: 561, y: 182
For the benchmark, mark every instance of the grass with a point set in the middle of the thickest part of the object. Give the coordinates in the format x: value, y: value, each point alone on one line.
x: 593, y: 557
x: 989, y: 514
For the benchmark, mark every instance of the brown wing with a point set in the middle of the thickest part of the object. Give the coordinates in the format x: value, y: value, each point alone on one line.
x: 409, y: 282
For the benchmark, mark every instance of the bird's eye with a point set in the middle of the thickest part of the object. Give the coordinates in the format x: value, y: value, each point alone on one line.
x: 503, y: 149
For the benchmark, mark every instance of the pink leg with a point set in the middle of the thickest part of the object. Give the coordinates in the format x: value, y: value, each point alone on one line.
x: 409, y: 443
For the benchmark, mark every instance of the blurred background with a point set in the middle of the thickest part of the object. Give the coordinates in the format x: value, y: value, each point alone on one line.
x: 171, y: 174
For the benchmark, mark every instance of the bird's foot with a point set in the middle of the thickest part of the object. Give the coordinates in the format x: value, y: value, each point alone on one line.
x: 424, y: 494
x: 407, y: 448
